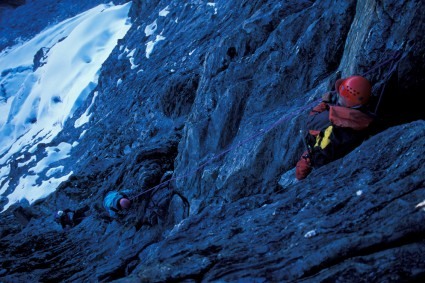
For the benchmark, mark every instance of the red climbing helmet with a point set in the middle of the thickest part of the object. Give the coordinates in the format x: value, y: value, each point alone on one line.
x: 355, y: 90
x: 125, y: 203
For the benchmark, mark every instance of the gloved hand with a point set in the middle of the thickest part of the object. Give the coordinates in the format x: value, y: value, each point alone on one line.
x: 303, y: 167
x: 322, y: 106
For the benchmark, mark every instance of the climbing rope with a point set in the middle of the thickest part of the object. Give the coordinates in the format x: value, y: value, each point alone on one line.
x: 263, y: 131
x: 259, y: 132
x: 394, y: 64
x: 396, y: 56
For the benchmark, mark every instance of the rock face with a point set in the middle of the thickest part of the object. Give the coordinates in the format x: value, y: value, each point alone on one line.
x: 217, y: 93
x: 12, y: 3
x: 361, y: 224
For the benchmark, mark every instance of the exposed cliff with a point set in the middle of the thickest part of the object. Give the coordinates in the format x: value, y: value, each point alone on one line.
x: 217, y: 92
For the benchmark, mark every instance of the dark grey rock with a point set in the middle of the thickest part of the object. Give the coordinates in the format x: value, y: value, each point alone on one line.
x: 220, y: 102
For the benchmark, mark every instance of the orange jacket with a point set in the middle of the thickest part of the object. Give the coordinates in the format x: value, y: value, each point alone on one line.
x: 334, y: 131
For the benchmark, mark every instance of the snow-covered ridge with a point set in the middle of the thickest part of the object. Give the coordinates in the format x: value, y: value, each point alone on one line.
x: 35, y: 101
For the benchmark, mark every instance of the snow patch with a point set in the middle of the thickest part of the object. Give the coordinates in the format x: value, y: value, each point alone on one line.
x: 4, y: 172
x: 27, y: 162
x: 50, y: 95
x: 421, y: 205
x: 82, y: 134
x: 85, y: 117
x: 164, y: 12
x: 150, y: 45
x: 37, y: 103
x: 31, y: 190
x: 4, y: 188
x: 133, y: 66
x: 54, y: 154
x: 54, y: 171
x: 310, y: 234
x: 213, y: 6
x: 150, y: 29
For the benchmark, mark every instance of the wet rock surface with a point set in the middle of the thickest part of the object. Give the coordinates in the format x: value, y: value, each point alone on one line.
x: 219, y: 102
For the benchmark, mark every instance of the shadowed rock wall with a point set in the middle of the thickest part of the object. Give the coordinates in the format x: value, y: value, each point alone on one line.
x: 220, y: 101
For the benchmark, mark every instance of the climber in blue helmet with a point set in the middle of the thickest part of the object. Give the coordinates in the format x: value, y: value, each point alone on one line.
x: 116, y: 202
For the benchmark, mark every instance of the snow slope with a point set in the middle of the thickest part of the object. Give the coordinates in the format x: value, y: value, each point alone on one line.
x: 36, y: 98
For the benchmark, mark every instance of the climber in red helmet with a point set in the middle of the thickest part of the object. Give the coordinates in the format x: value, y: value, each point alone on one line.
x: 336, y: 125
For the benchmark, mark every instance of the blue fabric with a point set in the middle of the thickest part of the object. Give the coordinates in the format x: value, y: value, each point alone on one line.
x: 111, y: 202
